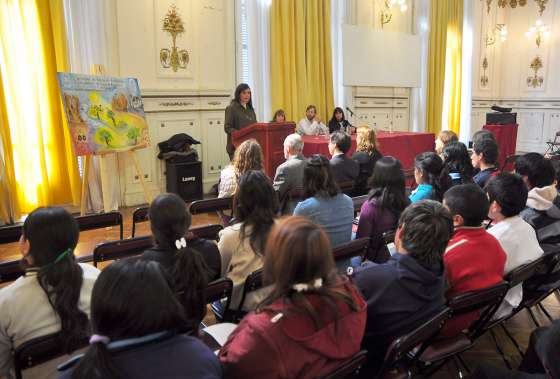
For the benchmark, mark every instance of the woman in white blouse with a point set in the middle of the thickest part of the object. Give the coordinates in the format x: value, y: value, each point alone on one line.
x: 248, y: 156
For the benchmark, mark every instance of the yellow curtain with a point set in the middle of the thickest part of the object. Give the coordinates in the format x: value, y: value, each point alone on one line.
x: 444, y: 66
x: 40, y: 165
x: 300, y: 57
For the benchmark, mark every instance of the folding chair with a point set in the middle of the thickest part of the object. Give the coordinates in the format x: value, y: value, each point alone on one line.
x: 294, y: 195
x: 351, y: 249
x: 209, y: 232
x: 252, y: 283
x: 218, y: 291
x: 404, y: 352
x: 140, y: 215
x: 41, y: 350
x: 10, y: 271
x: 219, y: 204
x: 346, y: 186
x: 101, y: 220
x: 486, y: 302
x: 110, y: 251
x: 348, y: 368
x: 358, y: 201
x: 10, y: 233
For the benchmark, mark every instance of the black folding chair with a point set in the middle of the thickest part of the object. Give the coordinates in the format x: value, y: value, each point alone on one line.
x: 10, y: 233
x: 140, y: 215
x: 358, y: 201
x: 209, y: 232
x: 252, y: 283
x: 348, y: 368
x: 101, y: 220
x: 110, y: 251
x: 346, y: 187
x: 405, y: 351
x: 41, y: 350
x: 218, y: 204
x: 351, y: 249
x: 10, y: 271
x: 220, y: 291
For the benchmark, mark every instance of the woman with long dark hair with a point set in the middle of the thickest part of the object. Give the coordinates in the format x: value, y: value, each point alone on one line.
x: 239, y: 114
x: 54, y: 294
x: 137, y: 324
x: 380, y: 214
x: 242, y: 245
x: 324, y: 204
x: 311, y: 321
x: 191, y: 262
x: 339, y: 122
x: 431, y: 176
x: 458, y: 163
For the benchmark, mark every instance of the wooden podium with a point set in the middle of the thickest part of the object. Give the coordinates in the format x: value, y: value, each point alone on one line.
x: 270, y: 135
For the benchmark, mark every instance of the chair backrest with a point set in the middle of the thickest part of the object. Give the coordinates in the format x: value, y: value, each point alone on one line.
x: 10, y: 271
x: 40, y: 350
x: 389, y: 236
x: 416, y: 341
x: 524, y: 272
x: 101, y: 220
x: 209, y: 232
x: 252, y: 283
x: 351, y: 249
x: 358, y: 201
x: 109, y: 251
x: 485, y: 301
x: 140, y: 215
x: 10, y: 233
x: 348, y: 368
x: 218, y: 290
x: 346, y: 186
x: 211, y: 205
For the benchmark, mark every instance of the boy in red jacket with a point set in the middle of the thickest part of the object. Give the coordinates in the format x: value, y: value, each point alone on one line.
x: 474, y: 259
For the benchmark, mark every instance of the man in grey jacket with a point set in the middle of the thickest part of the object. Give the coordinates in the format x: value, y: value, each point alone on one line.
x: 289, y: 175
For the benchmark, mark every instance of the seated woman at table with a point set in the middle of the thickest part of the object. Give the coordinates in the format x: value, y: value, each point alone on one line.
x: 339, y: 123
x: 456, y: 159
x: 431, y: 176
x: 137, y: 326
x: 445, y: 137
x: 248, y: 156
x: 324, y: 204
x: 53, y: 295
x: 313, y: 320
x: 279, y: 116
x: 366, y: 155
x: 380, y: 214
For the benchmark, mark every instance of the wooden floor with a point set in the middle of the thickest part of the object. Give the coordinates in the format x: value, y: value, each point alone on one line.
x: 484, y: 351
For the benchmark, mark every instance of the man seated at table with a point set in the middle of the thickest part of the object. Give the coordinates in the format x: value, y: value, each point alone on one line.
x: 289, y: 175
x: 311, y: 124
x: 344, y: 169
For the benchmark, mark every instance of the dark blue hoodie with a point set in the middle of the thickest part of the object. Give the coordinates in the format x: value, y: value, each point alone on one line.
x: 400, y: 295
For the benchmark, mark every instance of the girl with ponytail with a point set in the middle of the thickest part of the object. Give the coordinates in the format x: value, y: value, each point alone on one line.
x: 54, y: 294
x: 136, y: 322
x: 431, y: 176
x: 192, y: 263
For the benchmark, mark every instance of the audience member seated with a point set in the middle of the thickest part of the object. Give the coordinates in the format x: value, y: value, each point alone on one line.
x: 247, y: 156
x: 311, y: 124
x: 53, y: 295
x: 191, y: 269
x: 458, y: 163
x: 508, y: 195
x: 242, y: 245
x: 407, y: 290
x: 366, y: 155
x: 324, y: 204
x: 344, y: 169
x: 339, y: 123
x: 474, y: 259
x: 279, y: 116
x: 137, y: 324
x: 289, y: 175
x: 543, y: 203
x: 310, y: 323
x: 431, y: 176
x: 485, y: 158
x: 380, y: 214
x: 444, y: 138
x: 482, y: 134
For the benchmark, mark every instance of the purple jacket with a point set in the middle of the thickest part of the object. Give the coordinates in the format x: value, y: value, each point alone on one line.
x: 373, y: 223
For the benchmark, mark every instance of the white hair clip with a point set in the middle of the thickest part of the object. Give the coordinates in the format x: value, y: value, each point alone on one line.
x: 181, y: 243
x: 303, y: 287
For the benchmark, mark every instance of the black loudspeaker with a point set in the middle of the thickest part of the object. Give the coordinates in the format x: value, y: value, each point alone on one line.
x: 185, y: 179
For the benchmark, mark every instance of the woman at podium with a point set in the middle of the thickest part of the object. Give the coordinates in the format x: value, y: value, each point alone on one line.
x: 239, y: 114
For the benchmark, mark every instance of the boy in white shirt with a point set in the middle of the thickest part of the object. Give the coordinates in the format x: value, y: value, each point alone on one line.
x: 508, y: 195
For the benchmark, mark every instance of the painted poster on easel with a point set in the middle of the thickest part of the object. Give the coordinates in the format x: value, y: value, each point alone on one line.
x: 105, y: 114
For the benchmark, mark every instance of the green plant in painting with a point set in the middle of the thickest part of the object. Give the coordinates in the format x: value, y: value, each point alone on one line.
x: 133, y: 134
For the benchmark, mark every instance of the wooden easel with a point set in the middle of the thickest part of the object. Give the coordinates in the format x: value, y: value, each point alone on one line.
x: 97, y: 69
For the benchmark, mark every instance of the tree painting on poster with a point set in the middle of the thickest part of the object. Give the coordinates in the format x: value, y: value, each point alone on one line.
x: 104, y: 114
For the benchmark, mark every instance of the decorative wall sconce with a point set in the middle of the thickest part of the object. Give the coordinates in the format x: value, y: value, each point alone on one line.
x: 501, y: 29
x: 387, y: 11
x: 539, y: 30
x: 173, y: 58
x: 535, y: 80
x: 484, y: 77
